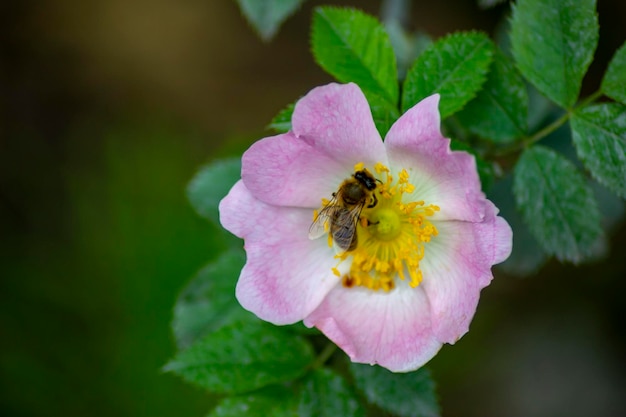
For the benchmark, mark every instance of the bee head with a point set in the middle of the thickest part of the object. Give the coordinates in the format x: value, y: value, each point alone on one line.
x: 366, y: 179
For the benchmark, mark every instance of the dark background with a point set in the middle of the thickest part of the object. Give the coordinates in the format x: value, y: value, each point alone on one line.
x: 108, y: 107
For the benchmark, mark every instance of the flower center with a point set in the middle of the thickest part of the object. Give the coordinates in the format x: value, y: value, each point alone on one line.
x: 385, y: 224
x: 391, y: 235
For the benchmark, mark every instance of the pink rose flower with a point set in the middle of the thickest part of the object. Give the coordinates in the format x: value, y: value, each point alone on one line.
x: 425, y: 236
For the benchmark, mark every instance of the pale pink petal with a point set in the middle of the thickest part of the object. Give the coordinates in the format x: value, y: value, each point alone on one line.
x: 442, y: 177
x: 337, y: 120
x: 286, y: 275
x: 333, y: 130
x: 390, y: 329
x: 284, y: 170
x: 456, y: 266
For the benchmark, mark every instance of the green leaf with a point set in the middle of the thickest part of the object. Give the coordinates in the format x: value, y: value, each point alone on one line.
x: 557, y: 204
x: 326, y: 394
x: 281, y: 123
x: 354, y: 47
x: 553, y: 44
x: 383, y: 112
x: 208, y: 301
x: 243, y: 357
x: 599, y: 133
x: 273, y: 401
x: 211, y: 184
x: 500, y: 111
x: 527, y: 256
x: 407, y: 395
x: 266, y: 16
x: 455, y: 66
x: 614, y: 81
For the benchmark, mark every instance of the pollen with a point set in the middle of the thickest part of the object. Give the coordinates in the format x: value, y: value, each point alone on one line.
x: 391, y: 236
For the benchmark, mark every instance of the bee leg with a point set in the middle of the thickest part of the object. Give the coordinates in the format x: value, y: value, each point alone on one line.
x: 366, y: 222
x: 374, y: 201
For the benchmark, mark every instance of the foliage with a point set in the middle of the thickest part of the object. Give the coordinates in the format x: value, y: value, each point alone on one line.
x: 454, y: 67
x: 599, y: 133
x: 211, y: 184
x: 207, y: 304
x: 564, y: 33
x: 241, y: 357
x: 614, y: 81
x: 486, y: 92
x: 552, y: 195
x: 406, y: 395
x: 354, y: 47
x: 500, y: 110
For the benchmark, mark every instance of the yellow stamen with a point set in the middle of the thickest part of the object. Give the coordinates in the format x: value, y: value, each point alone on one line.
x: 392, y: 236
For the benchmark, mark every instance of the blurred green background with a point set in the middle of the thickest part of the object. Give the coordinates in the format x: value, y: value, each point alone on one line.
x: 107, y: 108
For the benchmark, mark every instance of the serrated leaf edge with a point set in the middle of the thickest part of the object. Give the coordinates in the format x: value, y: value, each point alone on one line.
x: 580, y: 118
x: 482, y: 75
x: 603, y: 86
x: 389, y: 96
x: 579, y: 255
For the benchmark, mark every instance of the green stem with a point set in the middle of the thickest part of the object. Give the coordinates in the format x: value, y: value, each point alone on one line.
x: 525, y: 142
x: 324, y: 355
x: 591, y: 98
x: 546, y: 130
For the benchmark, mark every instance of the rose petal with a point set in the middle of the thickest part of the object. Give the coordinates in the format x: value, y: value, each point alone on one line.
x: 456, y: 266
x: 284, y: 170
x: 333, y: 130
x: 440, y: 176
x: 390, y: 329
x: 337, y: 120
x: 286, y: 275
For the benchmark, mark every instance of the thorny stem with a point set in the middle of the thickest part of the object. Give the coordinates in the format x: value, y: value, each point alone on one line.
x: 525, y: 142
x: 324, y: 355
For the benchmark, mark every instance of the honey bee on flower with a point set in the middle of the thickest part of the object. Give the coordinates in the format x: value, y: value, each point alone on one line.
x: 340, y: 215
x: 412, y: 236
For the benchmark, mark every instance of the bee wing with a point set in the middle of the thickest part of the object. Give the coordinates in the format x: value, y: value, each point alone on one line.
x: 321, y: 224
x: 344, y: 228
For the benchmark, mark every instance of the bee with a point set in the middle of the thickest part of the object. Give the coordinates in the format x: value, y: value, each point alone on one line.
x: 341, y: 215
